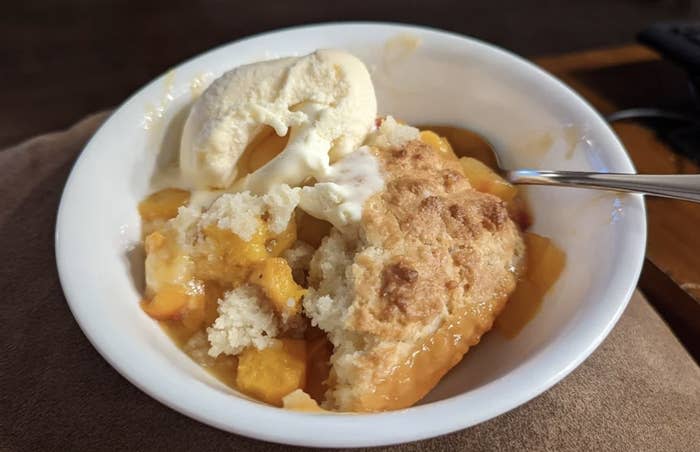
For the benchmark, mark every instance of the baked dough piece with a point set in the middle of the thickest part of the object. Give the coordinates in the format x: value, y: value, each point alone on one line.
x: 431, y: 267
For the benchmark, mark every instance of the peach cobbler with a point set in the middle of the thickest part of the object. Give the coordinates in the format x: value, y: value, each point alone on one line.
x: 316, y: 256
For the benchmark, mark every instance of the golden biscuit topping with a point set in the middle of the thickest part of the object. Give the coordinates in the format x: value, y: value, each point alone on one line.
x: 294, y: 311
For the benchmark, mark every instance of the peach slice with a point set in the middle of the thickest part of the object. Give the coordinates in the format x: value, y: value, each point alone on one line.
x: 438, y: 143
x: 272, y: 373
x: 167, y: 303
x: 163, y: 204
x: 274, y: 277
x: 485, y: 180
x: 268, y: 149
x: 278, y: 244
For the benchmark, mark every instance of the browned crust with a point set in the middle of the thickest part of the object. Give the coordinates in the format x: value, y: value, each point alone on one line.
x: 434, y: 267
x: 430, y: 237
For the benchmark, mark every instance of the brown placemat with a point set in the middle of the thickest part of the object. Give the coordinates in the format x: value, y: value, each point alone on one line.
x: 639, y: 391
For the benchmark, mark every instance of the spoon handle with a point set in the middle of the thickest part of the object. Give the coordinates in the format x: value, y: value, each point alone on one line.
x: 678, y: 186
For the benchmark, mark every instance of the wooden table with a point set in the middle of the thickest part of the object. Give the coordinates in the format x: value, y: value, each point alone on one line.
x: 628, y: 77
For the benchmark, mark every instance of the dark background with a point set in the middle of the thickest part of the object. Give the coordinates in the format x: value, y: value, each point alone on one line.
x: 60, y: 60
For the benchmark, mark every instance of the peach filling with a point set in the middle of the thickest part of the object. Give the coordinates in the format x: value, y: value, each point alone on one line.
x: 544, y: 261
x: 274, y: 277
x: 292, y: 372
x: 265, y: 146
x: 163, y: 204
x: 273, y: 372
x: 189, y: 306
x: 484, y: 179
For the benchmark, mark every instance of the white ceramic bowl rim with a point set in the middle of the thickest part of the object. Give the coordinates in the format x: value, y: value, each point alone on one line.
x: 272, y: 424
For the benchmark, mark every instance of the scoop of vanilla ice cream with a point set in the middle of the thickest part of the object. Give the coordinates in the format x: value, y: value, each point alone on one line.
x: 325, y: 100
x: 338, y: 197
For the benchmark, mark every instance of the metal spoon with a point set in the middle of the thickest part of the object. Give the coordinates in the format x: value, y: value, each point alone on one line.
x: 677, y: 186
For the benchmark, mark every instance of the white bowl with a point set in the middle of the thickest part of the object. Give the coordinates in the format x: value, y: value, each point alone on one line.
x: 448, y: 79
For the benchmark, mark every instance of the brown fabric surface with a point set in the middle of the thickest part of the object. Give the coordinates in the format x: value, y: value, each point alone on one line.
x: 639, y: 391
